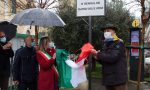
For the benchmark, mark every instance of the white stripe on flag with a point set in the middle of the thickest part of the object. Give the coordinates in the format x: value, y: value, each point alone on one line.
x: 78, y: 74
x: 71, y: 63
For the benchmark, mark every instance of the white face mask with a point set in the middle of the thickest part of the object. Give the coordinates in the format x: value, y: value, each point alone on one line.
x: 51, y: 45
x: 108, y: 35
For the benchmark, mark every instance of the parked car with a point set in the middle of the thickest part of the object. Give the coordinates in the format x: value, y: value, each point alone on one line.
x: 147, y: 65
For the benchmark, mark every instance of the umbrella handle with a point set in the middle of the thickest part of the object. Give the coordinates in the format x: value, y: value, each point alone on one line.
x: 31, y: 24
x: 36, y: 35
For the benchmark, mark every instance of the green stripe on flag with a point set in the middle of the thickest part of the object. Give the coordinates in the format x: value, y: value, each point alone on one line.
x: 63, y: 69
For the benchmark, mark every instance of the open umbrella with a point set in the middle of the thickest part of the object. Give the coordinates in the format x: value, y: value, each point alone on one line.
x: 9, y: 29
x: 37, y: 17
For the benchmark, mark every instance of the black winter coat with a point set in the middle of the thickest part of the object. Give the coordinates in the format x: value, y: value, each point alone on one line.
x: 5, y: 60
x: 25, y: 67
x: 114, y: 63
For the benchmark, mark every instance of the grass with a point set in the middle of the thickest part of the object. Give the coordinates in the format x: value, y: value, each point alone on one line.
x: 65, y: 89
x: 97, y: 72
x: 147, y: 78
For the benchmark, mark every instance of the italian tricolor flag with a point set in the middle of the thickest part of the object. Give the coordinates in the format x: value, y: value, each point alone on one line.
x: 71, y: 73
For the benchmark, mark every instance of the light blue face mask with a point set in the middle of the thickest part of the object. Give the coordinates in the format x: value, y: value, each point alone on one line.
x: 33, y: 44
x: 3, y: 39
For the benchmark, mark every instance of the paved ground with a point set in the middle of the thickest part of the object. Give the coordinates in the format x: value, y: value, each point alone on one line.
x: 97, y: 85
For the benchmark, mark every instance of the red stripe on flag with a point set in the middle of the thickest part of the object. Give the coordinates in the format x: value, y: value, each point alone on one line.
x: 85, y: 51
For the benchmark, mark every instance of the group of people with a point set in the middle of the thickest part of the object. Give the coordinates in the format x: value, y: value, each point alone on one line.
x: 34, y: 68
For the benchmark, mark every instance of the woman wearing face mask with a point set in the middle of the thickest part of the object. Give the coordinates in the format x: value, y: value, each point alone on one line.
x: 5, y: 53
x: 113, y: 60
x: 48, y: 76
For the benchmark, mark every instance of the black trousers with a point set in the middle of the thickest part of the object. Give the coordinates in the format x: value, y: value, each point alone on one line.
x: 4, y: 82
x: 27, y: 86
x: 117, y: 87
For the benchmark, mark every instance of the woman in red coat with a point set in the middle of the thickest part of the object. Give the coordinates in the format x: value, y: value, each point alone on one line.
x: 48, y: 76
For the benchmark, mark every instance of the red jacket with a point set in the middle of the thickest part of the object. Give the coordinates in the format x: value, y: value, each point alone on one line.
x: 48, y: 76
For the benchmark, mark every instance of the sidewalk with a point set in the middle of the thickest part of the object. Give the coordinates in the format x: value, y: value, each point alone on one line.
x: 97, y: 85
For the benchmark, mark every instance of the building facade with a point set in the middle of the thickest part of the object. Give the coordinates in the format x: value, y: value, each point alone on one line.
x: 8, y: 9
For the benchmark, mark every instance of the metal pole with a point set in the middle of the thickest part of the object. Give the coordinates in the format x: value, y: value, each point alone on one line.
x: 142, y: 44
x: 90, y: 58
x: 141, y: 57
x: 139, y: 70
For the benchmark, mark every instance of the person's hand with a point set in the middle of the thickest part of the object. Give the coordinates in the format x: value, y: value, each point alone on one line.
x: 94, y: 52
x: 7, y: 46
x: 54, y: 56
x: 70, y: 56
x: 16, y: 82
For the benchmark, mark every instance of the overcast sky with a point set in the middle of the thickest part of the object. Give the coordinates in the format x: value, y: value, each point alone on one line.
x: 133, y: 7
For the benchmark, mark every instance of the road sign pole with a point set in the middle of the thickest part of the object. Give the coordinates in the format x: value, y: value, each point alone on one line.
x: 90, y: 8
x: 90, y: 58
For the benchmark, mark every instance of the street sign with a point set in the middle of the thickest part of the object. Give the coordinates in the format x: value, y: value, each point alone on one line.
x: 90, y: 7
x: 136, y: 23
x: 136, y: 59
x: 135, y: 37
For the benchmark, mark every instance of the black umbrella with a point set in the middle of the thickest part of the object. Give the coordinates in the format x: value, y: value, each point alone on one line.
x: 9, y: 29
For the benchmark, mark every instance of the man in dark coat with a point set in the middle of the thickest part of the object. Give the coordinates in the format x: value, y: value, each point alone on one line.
x: 113, y: 60
x: 25, y: 68
x: 5, y: 53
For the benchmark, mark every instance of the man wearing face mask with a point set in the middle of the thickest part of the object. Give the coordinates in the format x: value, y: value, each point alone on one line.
x: 113, y: 60
x: 25, y: 68
x: 5, y: 53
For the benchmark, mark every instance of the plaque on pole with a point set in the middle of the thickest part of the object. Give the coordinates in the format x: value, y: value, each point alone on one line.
x: 90, y: 8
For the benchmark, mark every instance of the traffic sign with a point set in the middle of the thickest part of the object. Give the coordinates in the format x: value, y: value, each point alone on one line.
x: 136, y: 23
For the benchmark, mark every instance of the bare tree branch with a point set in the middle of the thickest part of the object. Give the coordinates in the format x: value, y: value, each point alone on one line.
x: 133, y: 6
x: 130, y: 2
x: 53, y: 7
x: 138, y: 1
x: 54, y: 1
x: 44, y: 4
